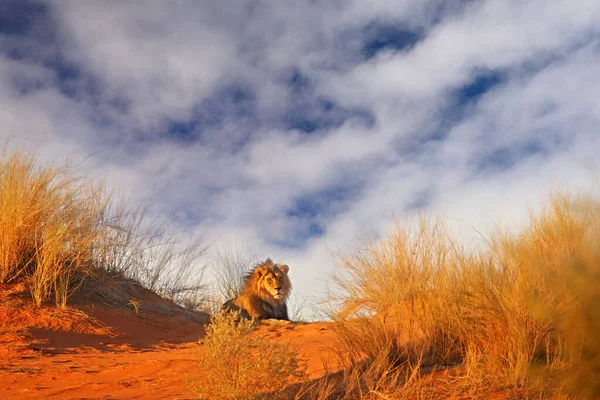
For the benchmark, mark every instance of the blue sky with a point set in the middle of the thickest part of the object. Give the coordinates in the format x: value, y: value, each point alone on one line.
x: 297, y: 128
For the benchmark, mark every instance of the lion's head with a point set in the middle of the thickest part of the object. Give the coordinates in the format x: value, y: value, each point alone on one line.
x: 271, y: 282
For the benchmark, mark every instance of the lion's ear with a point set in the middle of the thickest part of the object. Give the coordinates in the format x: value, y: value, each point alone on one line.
x: 284, y: 268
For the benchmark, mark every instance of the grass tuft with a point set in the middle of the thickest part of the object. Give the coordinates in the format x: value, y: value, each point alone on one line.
x: 57, y: 229
x: 50, y: 226
x: 521, y: 315
x: 242, y: 365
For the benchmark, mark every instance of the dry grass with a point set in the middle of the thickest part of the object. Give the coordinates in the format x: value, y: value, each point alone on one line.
x: 239, y: 365
x: 229, y: 263
x: 520, y: 317
x: 151, y: 251
x: 57, y: 229
x: 50, y: 223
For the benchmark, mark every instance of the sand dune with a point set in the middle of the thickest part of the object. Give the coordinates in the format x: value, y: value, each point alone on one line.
x: 95, y: 351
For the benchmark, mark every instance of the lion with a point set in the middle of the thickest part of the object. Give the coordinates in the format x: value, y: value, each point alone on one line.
x: 266, y: 289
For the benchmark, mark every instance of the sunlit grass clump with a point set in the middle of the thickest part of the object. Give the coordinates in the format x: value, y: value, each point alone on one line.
x: 58, y: 228
x: 522, y: 316
x: 239, y: 365
x: 51, y: 226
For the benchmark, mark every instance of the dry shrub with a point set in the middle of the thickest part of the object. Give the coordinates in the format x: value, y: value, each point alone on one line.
x: 520, y: 316
x: 239, y: 365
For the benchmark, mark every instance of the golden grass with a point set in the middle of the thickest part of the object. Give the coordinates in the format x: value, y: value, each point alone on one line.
x: 50, y: 223
x: 239, y: 365
x: 519, y: 317
x: 56, y: 229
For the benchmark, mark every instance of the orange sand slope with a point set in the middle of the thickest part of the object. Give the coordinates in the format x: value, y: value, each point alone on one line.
x: 92, y: 351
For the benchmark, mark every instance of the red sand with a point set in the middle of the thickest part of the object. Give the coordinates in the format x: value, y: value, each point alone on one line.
x: 89, y: 351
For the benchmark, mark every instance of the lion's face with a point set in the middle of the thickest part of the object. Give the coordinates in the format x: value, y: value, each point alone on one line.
x: 274, y: 280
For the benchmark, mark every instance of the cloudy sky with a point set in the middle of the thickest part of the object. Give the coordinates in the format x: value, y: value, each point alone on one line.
x: 298, y: 127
